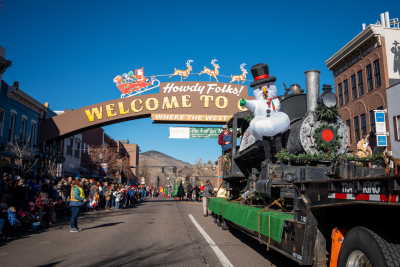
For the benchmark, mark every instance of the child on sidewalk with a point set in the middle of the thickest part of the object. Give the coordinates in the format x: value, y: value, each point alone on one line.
x: 117, y: 195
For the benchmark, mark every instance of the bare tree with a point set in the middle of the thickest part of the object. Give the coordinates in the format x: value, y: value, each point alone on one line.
x: 144, y: 170
x: 22, y: 165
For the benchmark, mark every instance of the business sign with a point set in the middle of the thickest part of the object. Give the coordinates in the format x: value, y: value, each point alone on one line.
x: 381, y: 140
x: 247, y: 140
x: 195, y: 132
x: 104, y: 167
x: 380, y: 123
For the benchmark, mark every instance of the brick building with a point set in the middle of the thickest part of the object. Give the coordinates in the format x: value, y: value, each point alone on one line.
x: 363, y: 69
x: 132, y: 150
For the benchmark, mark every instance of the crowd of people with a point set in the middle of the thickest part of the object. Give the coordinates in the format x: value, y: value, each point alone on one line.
x: 39, y: 202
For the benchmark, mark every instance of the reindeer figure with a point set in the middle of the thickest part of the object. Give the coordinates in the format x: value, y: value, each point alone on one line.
x: 214, y: 72
x: 241, y: 77
x: 184, y: 73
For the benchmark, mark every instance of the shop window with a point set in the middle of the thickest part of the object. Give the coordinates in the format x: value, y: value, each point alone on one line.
x: 357, y: 129
x: 23, y: 130
x: 2, y: 114
x: 11, y: 130
x: 77, y: 149
x: 340, y: 94
x: 360, y: 83
x: 70, y: 142
x: 377, y: 73
x: 396, y: 128
x: 346, y: 92
x: 349, y: 125
x: 363, y: 125
x: 33, y: 130
x: 369, y: 78
x: 354, y: 86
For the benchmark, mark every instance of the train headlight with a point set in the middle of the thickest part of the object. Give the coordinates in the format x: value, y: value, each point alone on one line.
x: 327, y: 98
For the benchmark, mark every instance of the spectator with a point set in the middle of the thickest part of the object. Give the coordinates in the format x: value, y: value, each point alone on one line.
x: 206, y: 197
x: 76, y: 202
x: 19, y: 193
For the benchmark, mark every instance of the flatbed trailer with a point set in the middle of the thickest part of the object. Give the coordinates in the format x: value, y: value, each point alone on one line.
x: 361, y: 213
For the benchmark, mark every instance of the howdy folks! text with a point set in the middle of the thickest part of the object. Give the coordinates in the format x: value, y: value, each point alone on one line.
x: 153, y: 104
x: 228, y: 89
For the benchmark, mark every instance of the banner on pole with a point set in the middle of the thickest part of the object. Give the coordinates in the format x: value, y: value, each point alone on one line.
x: 195, y: 132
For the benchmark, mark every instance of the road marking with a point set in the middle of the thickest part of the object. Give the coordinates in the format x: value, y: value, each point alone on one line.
x: 222, y: 258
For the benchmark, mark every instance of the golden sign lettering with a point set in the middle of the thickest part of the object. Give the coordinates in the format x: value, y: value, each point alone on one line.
x: 90, y: 115
x: 110, y: 109
x: 173, y: 102
x: 225, y: 102
x: 207, y: 100
x: 122, y: 111
x: 133, y: 105
x: 155, y: 101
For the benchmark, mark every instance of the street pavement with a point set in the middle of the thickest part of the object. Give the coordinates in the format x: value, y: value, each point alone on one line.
x: 158, y: 232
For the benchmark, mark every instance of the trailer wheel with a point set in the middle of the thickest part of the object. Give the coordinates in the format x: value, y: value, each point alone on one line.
x: 215, y: 219
x: 224, y: 225
x: 369, y: 246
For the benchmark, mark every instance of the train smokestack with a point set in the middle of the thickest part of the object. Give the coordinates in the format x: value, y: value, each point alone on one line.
x: 312, y: 89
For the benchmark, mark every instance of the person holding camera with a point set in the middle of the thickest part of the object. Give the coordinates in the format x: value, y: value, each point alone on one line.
x: 206, y: 196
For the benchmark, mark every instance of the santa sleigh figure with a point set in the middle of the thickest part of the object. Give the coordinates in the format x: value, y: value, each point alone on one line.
x: 131, y: 84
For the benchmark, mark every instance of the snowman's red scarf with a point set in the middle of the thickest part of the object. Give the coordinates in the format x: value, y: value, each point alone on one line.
x: 270, y: 101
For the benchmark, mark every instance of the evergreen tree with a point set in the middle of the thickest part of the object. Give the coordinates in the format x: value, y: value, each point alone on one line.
x: 181, y: 191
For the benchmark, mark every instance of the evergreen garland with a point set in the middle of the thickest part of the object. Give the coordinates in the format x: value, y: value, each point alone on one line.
x: 323, y: 145
x: 227, y: 163
x: 249, y: 117
x: 327, y: 113
x: 284, y: 155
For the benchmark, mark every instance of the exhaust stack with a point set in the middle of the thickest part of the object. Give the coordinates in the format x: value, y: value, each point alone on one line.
x: 387, y: 20
x: 383, y: 20
x: 312, y: 89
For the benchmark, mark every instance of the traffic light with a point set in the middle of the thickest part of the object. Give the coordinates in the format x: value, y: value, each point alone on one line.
x: 188, y: 178
x: 162, y: 169
x: 197, y: 178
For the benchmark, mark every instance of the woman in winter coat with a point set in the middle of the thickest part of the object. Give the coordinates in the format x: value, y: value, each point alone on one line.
x: 108, y: 198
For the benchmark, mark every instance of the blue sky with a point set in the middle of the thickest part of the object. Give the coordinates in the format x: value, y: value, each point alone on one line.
x: 68, y: 52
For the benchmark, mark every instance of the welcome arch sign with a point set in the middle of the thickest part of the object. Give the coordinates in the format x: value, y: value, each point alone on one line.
x: 176, y: 102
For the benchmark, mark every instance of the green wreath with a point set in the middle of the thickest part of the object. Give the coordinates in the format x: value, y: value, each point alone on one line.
x: 323, y: 145
x: 227, y: 162
x: 327, y: 113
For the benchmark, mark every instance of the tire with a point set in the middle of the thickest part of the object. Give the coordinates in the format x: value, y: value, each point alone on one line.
x: 219, y: 219
x: 224, y: 225
x: 215, y: 220
x: 373, y: 244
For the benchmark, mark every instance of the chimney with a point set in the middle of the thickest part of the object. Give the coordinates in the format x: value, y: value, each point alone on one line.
x: 312, y: 89
x: 387, y: 20
x: 363, y: 25
x: 383, y: 20
x: 16, y: 84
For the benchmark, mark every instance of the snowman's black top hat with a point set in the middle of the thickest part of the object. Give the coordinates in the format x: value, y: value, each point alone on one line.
x: 261, y: 74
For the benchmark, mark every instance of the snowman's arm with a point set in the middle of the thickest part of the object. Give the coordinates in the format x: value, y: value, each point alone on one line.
x: 250, y: 105
x: 277, y: 105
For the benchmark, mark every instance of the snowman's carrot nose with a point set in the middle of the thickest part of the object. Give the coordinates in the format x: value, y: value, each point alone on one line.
x: 265, y: 89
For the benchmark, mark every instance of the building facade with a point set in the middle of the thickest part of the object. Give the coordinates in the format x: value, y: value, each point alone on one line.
x: 363, y: 69
x: 393, y: 94
x: 20, y: 116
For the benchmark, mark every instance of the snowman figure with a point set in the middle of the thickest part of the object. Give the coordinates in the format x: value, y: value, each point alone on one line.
x: 268, y: 123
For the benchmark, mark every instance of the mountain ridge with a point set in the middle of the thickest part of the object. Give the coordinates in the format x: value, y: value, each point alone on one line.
x: 156, y: 158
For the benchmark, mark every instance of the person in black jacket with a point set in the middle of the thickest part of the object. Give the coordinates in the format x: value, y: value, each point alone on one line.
x: 19, y: 194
